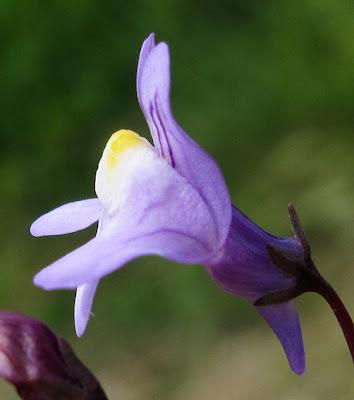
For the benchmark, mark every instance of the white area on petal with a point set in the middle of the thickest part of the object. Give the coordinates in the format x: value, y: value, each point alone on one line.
x: 125, y: 152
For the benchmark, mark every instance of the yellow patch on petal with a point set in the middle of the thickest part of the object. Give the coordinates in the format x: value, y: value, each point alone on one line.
x: 119, y: 143
x: 125, y: 152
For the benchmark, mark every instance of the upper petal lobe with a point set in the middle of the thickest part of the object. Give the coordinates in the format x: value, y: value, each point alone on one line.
x: 172, y: 143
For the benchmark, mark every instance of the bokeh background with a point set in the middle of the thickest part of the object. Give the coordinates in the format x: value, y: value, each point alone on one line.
x: 267, y: 87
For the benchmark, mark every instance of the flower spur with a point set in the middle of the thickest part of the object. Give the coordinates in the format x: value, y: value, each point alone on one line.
x: 171, y: 200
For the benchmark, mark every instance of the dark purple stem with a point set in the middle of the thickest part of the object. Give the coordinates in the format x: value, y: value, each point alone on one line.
x: 344, y: 319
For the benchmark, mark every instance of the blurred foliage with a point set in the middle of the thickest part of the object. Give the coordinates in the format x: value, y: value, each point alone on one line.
x: 267, y: 87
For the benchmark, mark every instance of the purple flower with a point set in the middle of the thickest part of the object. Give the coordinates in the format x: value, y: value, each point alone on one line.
x: 41, y: 365
x: 171, y: 200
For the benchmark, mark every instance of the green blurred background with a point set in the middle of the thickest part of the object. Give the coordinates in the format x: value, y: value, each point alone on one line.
x: 267, y: 87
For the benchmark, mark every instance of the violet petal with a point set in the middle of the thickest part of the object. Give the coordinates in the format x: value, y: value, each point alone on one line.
x: 83, y: 305
x: 85, y: 293
x: 101, y: 256
x: 162, y: 215
x: 68, y: 218
x: 185, y: 155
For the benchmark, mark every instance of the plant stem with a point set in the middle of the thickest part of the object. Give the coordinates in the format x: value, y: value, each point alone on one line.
x: 344, y: 319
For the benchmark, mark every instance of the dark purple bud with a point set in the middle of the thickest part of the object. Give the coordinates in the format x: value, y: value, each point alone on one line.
x: 306, y: 279
x: 41, y: 365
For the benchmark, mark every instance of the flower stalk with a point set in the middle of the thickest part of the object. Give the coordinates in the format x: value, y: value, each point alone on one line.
x: 343, y: 317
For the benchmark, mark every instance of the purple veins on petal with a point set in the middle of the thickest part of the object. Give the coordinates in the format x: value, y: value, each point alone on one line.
x: 68, y: 218
x: 146, y: 48
x: 172, y: 143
